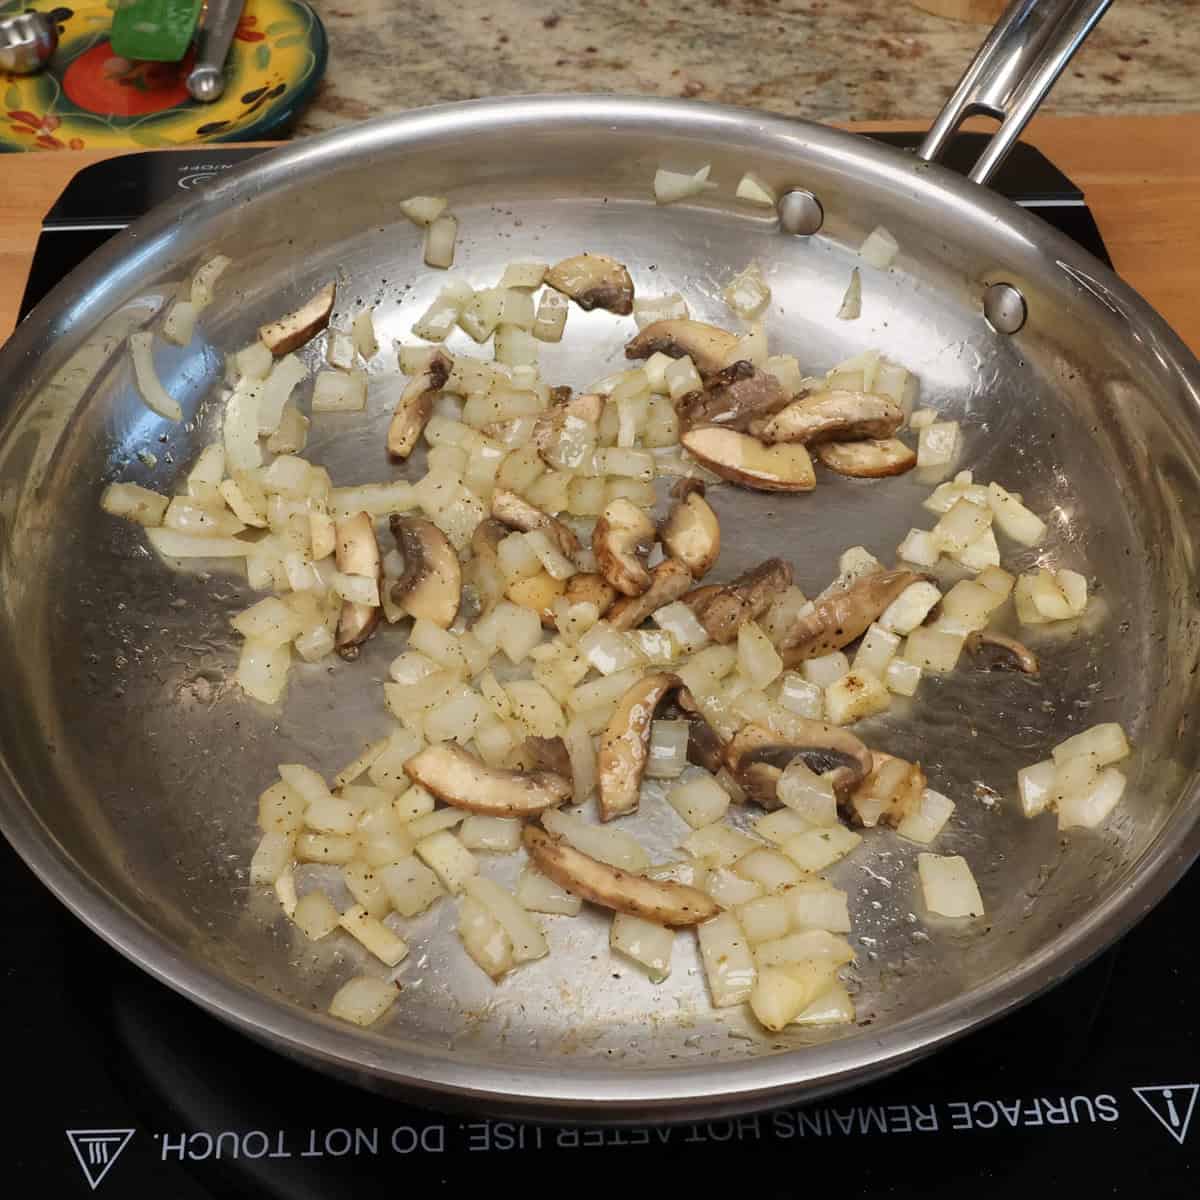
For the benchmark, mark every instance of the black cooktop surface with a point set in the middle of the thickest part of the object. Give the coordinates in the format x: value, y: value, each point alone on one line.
x: 119, y: 1086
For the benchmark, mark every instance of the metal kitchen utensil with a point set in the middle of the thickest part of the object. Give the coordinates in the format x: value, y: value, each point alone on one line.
x: 27, y: 40
x: 206, y: 81
x: 131, y: 763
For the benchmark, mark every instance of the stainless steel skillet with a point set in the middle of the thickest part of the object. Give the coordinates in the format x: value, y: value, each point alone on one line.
x: 130, y: 762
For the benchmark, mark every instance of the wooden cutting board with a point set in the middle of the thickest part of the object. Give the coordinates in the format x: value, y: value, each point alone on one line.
x: 1140, y: 178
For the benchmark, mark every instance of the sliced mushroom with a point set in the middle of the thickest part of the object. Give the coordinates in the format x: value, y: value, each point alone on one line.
x: 746, y: 598
x: 840, y: 617
x: 888, y: 794
x: 692, y: 532
x: 668, y: 582
x: 749, y: 463
x: 662, y: 901
x: 625, y: 744
x: 734, y: 396
x: 594, y: 281
x: 589, y: 588
x: 708, y: 346
x: 832, y: 416
x: 431, y: 586
x: 1003, y: 653
x: 827, y: 749
x: 462, y: 780
x: 517, y: 513
x: 416, y: 405
x: 544, y: 754
x: 289, y: 333
x: 621, y: 539
x: 870, y: 459
x: 356, y: 552
x: 488, y: 535
x: 697, y: 598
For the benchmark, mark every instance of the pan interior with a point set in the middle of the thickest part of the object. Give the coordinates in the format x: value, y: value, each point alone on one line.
x: 123, y: 731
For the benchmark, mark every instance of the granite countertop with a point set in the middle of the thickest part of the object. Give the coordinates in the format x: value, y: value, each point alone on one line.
x: 829, y: 60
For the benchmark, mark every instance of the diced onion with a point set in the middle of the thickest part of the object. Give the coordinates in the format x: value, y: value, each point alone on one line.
x: 879, y: 249
x: 728, y: 961
x: 667, y: 754
x: 363, y: 1000
x: 180, y: 322
x: 551, y: 316
x: 423, y: 210
x: 363, y: 333
x: 150, y: 387
x: 612, y: 846
x: 649, y: 309
x: 134, y: 503
x: 439, y: 242
x: 672, y: 186
x: 851, y: 306
x: 753, y: 190
x: 339, y: 391
x: 1013, y: 518
x: 928, y: 819
x: 205, y: 279
x: 1105, y: 743
x: 528, y: 940
x: 939, y: 444
x: 855, y: 696
x: 647, y: 944
x: 910, y: 608
x: 748, y: 293
x: 699, y: 801
x: 827, y: 669
x: 948, y: 887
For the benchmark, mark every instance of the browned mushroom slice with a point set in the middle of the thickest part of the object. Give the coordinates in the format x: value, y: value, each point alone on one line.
x: 697, y: 598
x: 517, y: 513
x: 708, y: 346
x: 733, y: 397
x: 621, y: 539
x: 840, y: 617
x: 488, y: 535
x: 431, y: 586
x: 416, y: 405
x: 356, y: 552
x: 888, y: 794
x: 870, y: 459
x: 757, y: 756
x: 289, y: 333
x: 590, y: 588
x: 544, y: 754
x: 460, y: 779
x: 749, y: 463
x: 832, y: 416
x: 594, y: 281
x: 662, y: 901
x: 692, y: 533
x: 668, y: 581
x: 999, y: 652
x: 625, y: 744
x: 746, y: 598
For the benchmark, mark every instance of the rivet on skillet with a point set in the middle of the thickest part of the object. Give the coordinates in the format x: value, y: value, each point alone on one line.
x: 800, y: 212
x: 1004, y: 308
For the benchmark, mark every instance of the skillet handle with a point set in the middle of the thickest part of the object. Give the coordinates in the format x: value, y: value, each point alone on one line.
x: 1015, y: 67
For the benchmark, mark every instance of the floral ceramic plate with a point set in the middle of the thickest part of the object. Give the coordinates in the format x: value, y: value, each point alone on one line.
x: 88, y: 97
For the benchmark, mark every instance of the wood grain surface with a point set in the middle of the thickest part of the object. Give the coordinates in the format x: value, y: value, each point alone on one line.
x: 1138, y: 173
